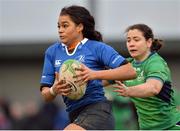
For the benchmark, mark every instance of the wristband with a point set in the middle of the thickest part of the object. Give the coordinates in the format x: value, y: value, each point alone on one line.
x: 52, y: 92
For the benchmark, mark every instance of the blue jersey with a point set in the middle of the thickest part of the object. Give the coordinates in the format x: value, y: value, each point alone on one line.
x: 95, y: 55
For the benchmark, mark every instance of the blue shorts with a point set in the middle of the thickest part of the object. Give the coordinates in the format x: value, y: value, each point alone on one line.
x: 96, y: 116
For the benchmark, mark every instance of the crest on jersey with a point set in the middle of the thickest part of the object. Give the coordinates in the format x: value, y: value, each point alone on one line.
x: 81, y: 58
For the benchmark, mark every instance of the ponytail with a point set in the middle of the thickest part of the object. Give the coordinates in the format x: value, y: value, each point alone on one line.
x: 93, y: 35
x: 156, y: 45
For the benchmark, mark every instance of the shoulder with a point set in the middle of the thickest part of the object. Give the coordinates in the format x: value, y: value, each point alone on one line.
x: 157, y: 67
x: 98, y: 45
x: 156, y: 62
x: 95, y: 43
x: 53, y: 47
x: 156, y: 59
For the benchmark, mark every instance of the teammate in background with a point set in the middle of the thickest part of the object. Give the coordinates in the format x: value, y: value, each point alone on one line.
x: 80, y: 41
x: 151, y: 91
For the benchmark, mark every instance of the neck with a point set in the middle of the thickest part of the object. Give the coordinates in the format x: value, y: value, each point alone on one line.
x: 73, y: 44
x: 143, y: 57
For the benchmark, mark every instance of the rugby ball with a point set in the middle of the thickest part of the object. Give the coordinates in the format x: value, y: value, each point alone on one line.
x: 67, y: 71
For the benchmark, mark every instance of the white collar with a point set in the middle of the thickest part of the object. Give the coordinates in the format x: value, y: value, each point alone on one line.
x: 81, y: 42
x: 84, y: 41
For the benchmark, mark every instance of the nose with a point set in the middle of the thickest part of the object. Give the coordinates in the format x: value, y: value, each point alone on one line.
x: 130, y: 44
x: 60, y: 30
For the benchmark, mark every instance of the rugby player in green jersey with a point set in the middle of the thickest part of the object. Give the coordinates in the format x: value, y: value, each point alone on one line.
x: 151, y: 91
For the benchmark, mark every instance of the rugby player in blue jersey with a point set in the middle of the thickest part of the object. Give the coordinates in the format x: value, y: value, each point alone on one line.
x: 80, y: 41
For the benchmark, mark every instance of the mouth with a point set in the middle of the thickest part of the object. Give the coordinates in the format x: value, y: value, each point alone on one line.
x: 61, y: 37
x: 132, y: 50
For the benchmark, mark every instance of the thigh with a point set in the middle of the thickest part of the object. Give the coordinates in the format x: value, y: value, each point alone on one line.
x: 96, y: 116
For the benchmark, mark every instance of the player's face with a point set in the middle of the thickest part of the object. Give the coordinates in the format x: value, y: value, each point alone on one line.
x: 138, y: 46
x: 69, y: 32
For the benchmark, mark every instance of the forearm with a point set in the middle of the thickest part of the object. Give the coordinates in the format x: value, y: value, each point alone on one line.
x: 124, y: 72
x: 142, y: 91
x: 46, y: 94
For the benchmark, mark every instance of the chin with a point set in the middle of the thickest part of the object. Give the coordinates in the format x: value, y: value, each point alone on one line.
x: 133, y: 55
x: 64, y: 42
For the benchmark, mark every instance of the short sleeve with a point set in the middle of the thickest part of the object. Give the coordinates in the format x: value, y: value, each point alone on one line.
x: 157, y: 68
x: 48, y: 70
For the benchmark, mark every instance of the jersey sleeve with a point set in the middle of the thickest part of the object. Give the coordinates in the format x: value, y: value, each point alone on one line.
x: 110, y: 57
x: 157, y: 69
x: 47, y: 77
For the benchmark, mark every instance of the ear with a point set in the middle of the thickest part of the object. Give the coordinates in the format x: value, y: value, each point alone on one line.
x: 149, y: 42
x: 80, y: 27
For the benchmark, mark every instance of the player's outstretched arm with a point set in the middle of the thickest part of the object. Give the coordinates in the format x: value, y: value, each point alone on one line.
x: 124, y: 72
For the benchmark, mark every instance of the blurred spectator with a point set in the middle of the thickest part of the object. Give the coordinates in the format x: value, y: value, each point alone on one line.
x: 5, y: 119
x: 30, y: 116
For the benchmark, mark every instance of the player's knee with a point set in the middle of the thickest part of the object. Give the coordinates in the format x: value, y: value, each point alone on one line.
x: 73, y: 126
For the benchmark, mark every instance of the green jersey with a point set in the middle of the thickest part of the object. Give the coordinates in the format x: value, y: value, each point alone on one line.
x: 157, y: 112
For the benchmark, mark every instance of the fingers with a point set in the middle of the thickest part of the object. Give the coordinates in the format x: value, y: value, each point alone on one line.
x: 81, y: 68
x: 56, y: 76
x: 81, y: 78
x: 118, y: 86
x: 81, y: 83
x: 64, y: 90
x: 62, y: 87
x: 81, y: 75
x: 119, y: 82
x: 120, y: 92
x: 120, y: 89
x: 78, y: 69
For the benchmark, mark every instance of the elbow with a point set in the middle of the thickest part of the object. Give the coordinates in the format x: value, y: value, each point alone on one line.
x: 134, y: 74
x: 129, y: 72
x: 155, y: 90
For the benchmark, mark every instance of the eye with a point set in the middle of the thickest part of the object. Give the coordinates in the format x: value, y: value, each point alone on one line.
x: 65, y: 25
x: 136, y: 40
x: 128, y: 40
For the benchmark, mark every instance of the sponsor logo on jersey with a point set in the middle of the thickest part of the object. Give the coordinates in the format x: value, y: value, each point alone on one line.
x: 115, y: 59
x: 57, y: 63
x: 140, y: 73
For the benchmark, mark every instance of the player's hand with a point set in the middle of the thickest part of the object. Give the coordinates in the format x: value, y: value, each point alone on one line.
x: 60, y: 86
x: 121, y: 89
x: 84, y: 74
